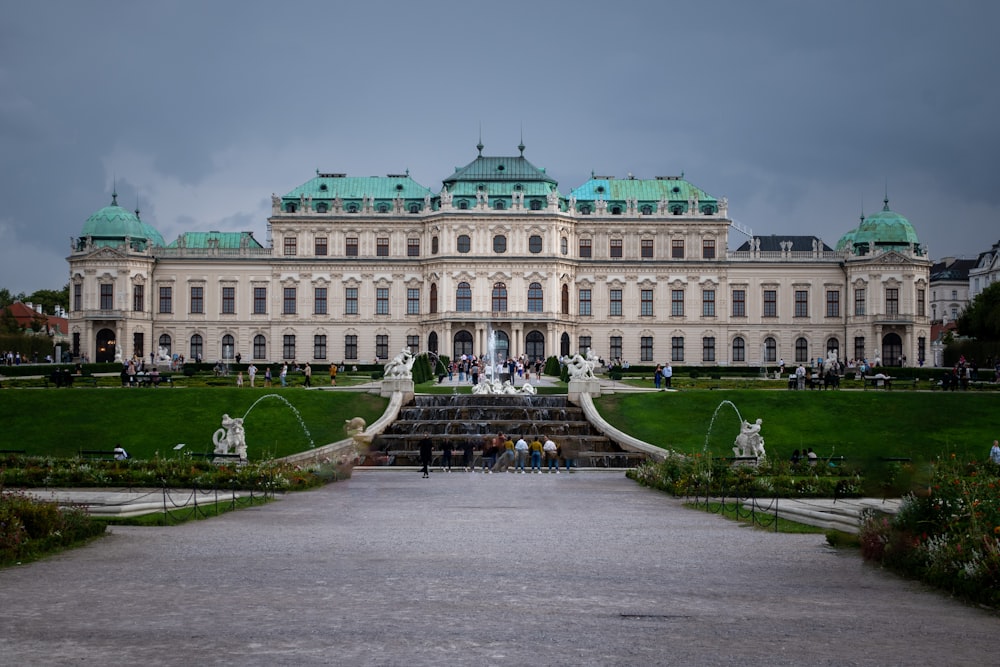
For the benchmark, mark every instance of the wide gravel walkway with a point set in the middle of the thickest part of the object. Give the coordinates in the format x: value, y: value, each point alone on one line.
x: 461, y: 569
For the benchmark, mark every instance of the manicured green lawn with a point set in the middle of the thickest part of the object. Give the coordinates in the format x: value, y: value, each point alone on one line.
x: 147, y: 422
x: 861, y: 425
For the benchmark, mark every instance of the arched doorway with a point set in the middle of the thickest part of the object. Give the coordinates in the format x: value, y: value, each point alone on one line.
x: 432, y: 342
x: 892, y: 349
x: 502, y: 345
x: 462, y: 344
x: 564, y: 345
x: 534, y: 346
x: 105, y: 346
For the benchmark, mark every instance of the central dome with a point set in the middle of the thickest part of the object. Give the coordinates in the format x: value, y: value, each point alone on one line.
x: 885, y: 229
x: 112, y: 224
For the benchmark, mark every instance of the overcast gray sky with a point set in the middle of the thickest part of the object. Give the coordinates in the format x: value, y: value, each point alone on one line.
x: 801, y: 113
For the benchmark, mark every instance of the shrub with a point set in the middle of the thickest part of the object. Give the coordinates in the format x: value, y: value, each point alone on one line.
x: 31, y: 528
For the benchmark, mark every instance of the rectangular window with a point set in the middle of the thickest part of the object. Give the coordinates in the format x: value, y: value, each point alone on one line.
x: 921, y: 349
x: 585, y: 247
x: 801, y: 303
x: 351, y: 302
x: 921, y: 303
x: 646, y: 247
x: 166, y: 299
x: 260, y: 301
x: 833, y: 303
x: 770, y: 303
x: 382, y: 247
x: 259, y: 347
x: 291, y: 246
x: 859, y: 301
x: 78, y: 297
x: 708, y: 348
x: 319, y: 347
x: 616, y: 248
x: 646, y: 303
x: 138, y: 298
x: 646, y: 348
x: 413, y: 301
x: 677, y: 249
x: 351, y: 347
x: 413, y: 342
x: 288, y: 301
x: 585, y: 302
x: 382, y: 346
x: 615, y: 347
x: 351, y: 246
x: 739, y: 303
x: 413, y: 247
x: 585, y: 343
x: 288, y: 347
x: 616, y: 303
x: 319, y: 301
x: 677, y: 303
x: 891, y: 302
x: 107, y: 297
x: 859, y: 347
x: 321, y: 248
x: 677, y: 348
x: 382, y: 303
x: 229, y: 300
x: 708, y: 303
x: 197, y: 299
x: 708, y: 249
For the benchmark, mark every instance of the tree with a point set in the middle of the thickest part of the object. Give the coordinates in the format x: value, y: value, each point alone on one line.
x: 981, y: 318
x: 49, y: 299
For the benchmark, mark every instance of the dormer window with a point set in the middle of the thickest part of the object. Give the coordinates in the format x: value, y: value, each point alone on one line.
x: 463, y: 204
x: 322, y: 187
x: 646, y: 209
x: 616, y: 210
x: 536, y: 205
x: 414, y: 208
x: 382, y: 208
x: 498, y: 204
x: 322, y: 207
x: 351, y: 208
x: 290, y: 207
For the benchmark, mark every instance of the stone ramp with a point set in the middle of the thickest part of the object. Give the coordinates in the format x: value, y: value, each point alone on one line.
x: 843, y: 514
x: 123, y: 503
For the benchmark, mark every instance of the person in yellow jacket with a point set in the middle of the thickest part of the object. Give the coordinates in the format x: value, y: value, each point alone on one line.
x: 536, y: 455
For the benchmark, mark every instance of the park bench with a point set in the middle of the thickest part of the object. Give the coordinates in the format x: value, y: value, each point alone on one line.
x: 876, y: 382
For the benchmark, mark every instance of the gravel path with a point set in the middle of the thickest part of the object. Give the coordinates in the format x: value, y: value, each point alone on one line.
x: 392, y: 569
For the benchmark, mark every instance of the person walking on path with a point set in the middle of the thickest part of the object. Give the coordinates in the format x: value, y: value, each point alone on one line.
x: 521, y: 453
x: 995, y: 452
x: 426, y: 451
x: 267, y: 376
x: 551, y: 455
x: 308, y: 372
x: 668, y: 373
x: 252, y: 372
x: 333, y: 375
x: 284, y: 375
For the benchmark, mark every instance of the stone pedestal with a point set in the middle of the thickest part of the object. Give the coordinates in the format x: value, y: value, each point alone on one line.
x: 392, y: 385
x: 577, y: 387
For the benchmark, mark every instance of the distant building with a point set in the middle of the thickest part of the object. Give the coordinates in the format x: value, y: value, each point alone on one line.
x: 950, y: 288
x: 356, y: 268
x: 985, y: 272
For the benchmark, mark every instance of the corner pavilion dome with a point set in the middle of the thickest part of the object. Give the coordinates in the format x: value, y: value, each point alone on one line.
x: 112, y: 224
x: 885, y: 229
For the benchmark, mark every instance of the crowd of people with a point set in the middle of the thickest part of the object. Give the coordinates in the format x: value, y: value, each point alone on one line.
x: 500, y: 453
x: 470, y: 368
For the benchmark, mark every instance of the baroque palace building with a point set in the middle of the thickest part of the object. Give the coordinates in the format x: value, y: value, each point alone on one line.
x: 357, y: 268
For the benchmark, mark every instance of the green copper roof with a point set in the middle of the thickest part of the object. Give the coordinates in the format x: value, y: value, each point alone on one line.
x: 216, y: 239
x: 885, y: 229
x: 112, y: 224
x: 643, y: 190
x: 499, y: 170
x: 331, y: 186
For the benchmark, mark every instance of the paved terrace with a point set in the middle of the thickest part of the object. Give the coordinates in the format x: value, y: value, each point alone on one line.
x: 391, y: 569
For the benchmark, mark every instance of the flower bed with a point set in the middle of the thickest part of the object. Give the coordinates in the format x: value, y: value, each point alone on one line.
x: 30, y: 528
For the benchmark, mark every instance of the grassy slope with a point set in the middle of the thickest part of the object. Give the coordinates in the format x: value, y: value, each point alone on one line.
x: 857, y: 424
x: 60, y: 422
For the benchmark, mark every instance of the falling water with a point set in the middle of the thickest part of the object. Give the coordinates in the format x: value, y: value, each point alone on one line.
x: 292, y: 407
x: 715, y: 414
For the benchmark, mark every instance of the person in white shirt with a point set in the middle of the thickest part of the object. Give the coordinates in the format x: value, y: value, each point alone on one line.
x: 551, y: 454
x: 521, y: 452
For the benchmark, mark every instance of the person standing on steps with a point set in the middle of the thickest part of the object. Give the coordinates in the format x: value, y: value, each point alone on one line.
x: 469, y: 453
x: 426, y: 452
x: 446, y: 456
x: 536, y: 455
x: 521, y: 454
x: 551, y: 455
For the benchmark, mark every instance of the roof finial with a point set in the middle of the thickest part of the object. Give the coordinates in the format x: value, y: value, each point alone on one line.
x: 480, y: 144
x: 520, y: 146
x: 886, y: 200
x: 114, y: 190
x: 137, y: 203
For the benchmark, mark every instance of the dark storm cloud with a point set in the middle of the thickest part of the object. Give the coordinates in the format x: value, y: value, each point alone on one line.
x: 800, y: 113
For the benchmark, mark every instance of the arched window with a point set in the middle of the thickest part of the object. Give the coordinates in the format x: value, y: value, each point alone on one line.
x: 463, y: 298
x: 564, y: 245
x: 414, y: 208
x: 499, y: 298
x: 585, y: 209
x: 646, y: 209
x: 498, y: 204
x: 535, y: 301
x: 291, y: 207
x: 463, y: 204
x: 499, y: 243
x: 197, y: 347
x: 259, y: 347
x: 351, y: 208
x: 770, y: 350
x: 382, y: 208
x: 535, y: 244
x: 435, y: 244
x: 534, y: 346
x: 165, y: 342
x: 464, y: 243
x: 616, y: 210
x: 676, y: 209
x: 462, y: 344
x: 432, y: 342
x: 833, y: 345
x: 801, y: 350
x: 536, y: 204
x: 228, y: 347
x: 434, y: 298
x: 502, y: 346
x: 564, y: 345
x: 322, y: 207
x: 739, y: 349
x: 565, y: 300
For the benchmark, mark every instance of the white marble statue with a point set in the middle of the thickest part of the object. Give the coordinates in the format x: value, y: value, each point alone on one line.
x: 749, y: 442
x: 119, y: 358
x: 830, y: 363
x: 163, y: 355
x: 401, y: 366
x: 233, y: 440
x: 581, y: 367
